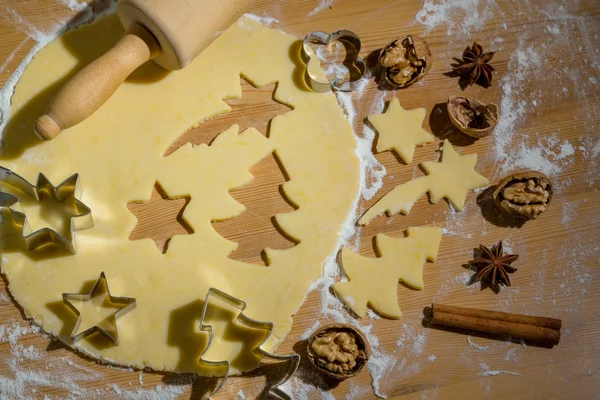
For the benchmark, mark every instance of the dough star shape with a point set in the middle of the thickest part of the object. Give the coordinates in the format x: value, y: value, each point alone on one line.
x: 451, y: 178
x: 400, y: 130
x: 373, y: 281
x: 119, y: 155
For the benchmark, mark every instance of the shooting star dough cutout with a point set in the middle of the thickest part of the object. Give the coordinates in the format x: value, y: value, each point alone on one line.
x: 451, y: 178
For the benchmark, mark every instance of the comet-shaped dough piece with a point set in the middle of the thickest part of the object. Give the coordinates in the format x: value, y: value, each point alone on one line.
x: 400, y: 130
x: 451, y: 178
x: 373, y: 281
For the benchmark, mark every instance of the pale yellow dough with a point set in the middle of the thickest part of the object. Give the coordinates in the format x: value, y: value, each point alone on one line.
x: 451, y: 178
x: 119, y: 154
x: 373, y: 281
x: 400, y: 130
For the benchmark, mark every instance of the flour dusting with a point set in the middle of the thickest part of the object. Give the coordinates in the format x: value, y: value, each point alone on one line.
x: 323, y: 4
x: 461, y: 16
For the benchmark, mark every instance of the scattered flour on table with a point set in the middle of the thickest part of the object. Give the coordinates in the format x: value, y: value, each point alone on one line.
x: 60, y: 373
x: 485, y: 371
x: 240, y: 395
x: 432, y: 358
x: 475, y: 346
x: 323, y: 4
x: 310, y: 330
x: 461, y: 16
x: 74, y: 5
x: 262, y: 19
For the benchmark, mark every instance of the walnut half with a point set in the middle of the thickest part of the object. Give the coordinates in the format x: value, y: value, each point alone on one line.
x: 472, y: 117
x: 405, y: 61
x: 338, y: 350
x: 526, y: 194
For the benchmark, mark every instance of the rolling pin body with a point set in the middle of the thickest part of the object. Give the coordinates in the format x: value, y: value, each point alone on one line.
x: 171, y: 32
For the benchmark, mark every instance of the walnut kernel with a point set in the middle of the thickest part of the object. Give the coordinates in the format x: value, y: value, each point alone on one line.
x: 526, y: 194
x: 338, y: 350
x: 405, y: 61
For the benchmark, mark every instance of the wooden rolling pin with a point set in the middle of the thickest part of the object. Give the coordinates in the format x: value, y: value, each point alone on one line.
x: 169, y: 32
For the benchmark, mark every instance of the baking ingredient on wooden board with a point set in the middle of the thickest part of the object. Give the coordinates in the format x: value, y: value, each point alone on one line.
x: 159, y: 110
x: 493, y: 265
x: 338, y: 350
x: 451, y: 178
x: 475, y: 66
x: 405, y: 61
x: 542, y: 330
x: 373, y: 281
x: 575, y: 250
x: 400, y: 130
x: 472, y: 117
x: 525, y: 194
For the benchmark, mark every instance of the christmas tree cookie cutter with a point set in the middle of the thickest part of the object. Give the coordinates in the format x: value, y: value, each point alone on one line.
x: 128, y: 304
x: 294, y: 359
x: 349, y: 39
x: 65, y: 190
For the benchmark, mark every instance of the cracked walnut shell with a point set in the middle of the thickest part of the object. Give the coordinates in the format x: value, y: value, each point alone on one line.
x: 405, y: 61
x: 472, y: 117
x: 338, y: 350
x: 526, y: 194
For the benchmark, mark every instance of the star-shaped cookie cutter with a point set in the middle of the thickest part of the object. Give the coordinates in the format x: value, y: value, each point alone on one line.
x: 294, y: 359
x: 128, y: 304
x: 348, y: 38
x: 42, y: 237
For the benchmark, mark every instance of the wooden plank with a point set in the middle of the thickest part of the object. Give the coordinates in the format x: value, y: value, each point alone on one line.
x: 558, y: 265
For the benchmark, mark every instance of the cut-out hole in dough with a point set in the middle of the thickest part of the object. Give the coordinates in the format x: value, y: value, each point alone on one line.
x: 160, y: 218
x: 255, y: 109
x: 258, y: 218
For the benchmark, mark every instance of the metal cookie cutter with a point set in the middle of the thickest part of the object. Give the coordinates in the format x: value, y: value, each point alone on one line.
x: 127, y: 304
x: 267, y: 326
x: 348, y: 38
x: 42, y: 237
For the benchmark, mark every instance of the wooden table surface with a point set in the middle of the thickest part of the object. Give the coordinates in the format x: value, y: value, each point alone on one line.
x: 546, y: 82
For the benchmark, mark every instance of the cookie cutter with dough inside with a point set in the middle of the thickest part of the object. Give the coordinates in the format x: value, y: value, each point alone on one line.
x: 294, y: 359
x: 128, y: 304
x: 65, y: 190
x: 348, y: 38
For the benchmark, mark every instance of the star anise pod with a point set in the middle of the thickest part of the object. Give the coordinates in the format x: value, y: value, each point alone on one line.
x: 494, y: 265
x: 475, y: 67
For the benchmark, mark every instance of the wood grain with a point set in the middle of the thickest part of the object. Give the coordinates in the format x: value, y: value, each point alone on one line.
x: 558, y: 266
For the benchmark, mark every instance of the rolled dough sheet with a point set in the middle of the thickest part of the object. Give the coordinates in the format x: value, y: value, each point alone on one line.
x: 119, y: 154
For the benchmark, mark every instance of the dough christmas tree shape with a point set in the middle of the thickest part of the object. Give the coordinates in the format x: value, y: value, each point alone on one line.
x: 451, y: 178
x: 400, y: 130
x: 373, y: 281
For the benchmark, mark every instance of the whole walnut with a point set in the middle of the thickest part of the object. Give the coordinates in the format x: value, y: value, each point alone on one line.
x: 525, y: 194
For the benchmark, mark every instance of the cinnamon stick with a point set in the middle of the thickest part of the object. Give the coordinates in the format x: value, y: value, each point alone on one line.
x: 544, y: 322
x: 534, y: 329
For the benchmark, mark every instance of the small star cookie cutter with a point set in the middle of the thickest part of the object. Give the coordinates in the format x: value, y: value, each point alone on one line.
x: 348, y: 38
x: 42, y: 237
x: 273, y: 389
x: 128, y: 304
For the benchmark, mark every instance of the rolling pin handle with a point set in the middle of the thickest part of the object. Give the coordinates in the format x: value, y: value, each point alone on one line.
x: 93, y: 85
